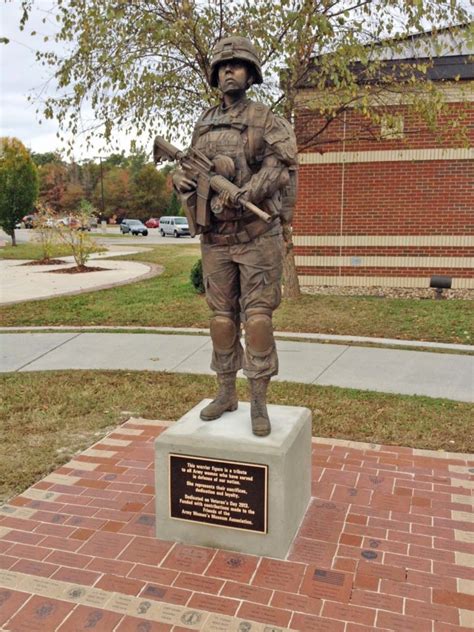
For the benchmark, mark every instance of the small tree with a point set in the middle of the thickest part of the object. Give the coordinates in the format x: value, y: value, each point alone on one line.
x: 75, y: 235
x: 18, y: 184
x: 174, y: 206
x: 44, y: 232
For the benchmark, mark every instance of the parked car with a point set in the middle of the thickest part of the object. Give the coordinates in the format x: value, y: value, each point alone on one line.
x: 133, y: 226
x: 29, y: 221
x: 73, y: 222
x: 153, y: 222
x: 175, y: 226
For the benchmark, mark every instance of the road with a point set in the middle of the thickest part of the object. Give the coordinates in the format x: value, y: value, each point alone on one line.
x: 24, y: 235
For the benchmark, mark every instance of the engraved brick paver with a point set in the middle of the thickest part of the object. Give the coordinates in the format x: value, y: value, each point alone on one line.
x: 40, y: 614
x: 246, y: 592
x: 280, y: 575
x: 386, y: 545
x: 86, y: 618
x: 10, y: 602
x: 134, y: 624
x: 159, y: 592
x: 233, y: 566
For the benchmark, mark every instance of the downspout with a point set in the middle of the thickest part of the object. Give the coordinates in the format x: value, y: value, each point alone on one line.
x: 343, y: 183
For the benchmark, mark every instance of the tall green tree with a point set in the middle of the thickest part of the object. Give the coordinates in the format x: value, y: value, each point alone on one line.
x: 144, y: 65
x: 18, y: 184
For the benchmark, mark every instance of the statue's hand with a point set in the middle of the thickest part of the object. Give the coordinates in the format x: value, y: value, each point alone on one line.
x: 226, y: 199
x: 182, y: 183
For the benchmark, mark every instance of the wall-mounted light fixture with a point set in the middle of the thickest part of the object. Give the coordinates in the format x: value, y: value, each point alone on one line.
x: 440, y: 283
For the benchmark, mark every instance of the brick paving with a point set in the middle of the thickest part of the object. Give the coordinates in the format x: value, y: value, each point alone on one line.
x: 387, y: 543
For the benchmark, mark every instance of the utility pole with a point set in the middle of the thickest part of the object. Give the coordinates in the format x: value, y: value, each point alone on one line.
x: 102, y: 187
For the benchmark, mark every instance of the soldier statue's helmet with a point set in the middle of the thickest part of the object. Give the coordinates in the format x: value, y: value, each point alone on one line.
x: 235, y: 47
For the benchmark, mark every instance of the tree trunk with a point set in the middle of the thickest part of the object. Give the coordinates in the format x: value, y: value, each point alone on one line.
x: 13, y: 236
x: 291, y: 286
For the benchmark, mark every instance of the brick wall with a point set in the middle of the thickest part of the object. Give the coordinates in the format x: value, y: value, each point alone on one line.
x: 383, y: 192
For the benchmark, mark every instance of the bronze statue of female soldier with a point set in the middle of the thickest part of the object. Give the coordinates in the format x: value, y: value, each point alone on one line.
x: 241, y: 253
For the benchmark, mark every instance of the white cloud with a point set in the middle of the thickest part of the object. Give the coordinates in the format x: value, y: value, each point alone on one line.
x: 21, y: 75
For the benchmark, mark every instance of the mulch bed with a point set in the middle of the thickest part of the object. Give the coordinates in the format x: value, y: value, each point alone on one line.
x: 79, y: 270
x: 44, y: 262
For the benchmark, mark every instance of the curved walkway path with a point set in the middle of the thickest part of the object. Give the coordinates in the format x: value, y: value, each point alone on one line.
x: 28, y: 283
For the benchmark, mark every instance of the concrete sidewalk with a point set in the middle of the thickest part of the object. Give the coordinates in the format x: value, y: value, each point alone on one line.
x: 385, y: 370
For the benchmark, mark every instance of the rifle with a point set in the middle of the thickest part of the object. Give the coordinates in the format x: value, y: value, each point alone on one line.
x: 198, y: 167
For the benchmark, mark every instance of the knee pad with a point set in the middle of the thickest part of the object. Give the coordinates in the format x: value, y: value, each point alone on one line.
x: 223, y: 333
x: 259, y: 333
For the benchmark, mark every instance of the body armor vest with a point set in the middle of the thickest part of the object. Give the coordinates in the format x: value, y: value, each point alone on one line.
x: 238, y: 133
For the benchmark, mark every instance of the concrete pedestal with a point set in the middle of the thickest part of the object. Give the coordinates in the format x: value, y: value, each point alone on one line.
x: 218, y: 485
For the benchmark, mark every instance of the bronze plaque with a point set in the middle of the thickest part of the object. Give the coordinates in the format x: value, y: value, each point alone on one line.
x: 222, y: 493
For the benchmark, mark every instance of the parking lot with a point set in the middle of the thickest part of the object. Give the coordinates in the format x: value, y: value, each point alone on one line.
x: 112, y: 231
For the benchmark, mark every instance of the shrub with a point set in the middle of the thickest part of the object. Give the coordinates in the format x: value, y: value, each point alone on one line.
x: 74, y: 234
x: 44, y: 232
x: 197, y: 278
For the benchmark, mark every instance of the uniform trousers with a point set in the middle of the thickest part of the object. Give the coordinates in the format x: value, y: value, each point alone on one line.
x: 243, y: 281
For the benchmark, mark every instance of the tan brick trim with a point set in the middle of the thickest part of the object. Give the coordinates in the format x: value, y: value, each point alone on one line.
x: 455, y: 241
x: 385, y: 262
x: 368, y: 281
x: 387, y: 155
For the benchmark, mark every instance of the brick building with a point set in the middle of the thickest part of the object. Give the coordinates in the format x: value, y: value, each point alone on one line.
x: 388, y: 207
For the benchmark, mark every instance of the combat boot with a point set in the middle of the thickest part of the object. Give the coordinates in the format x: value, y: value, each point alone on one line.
x: 226, y: 399
x: 258, y: 407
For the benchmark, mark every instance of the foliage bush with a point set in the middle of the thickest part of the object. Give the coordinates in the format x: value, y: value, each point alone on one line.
x: 44, y: 232
x: 197, y: 278
x: 75, y: 235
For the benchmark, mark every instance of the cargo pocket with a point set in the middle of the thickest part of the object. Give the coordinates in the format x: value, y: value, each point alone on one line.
x: 272, y: 287
x: 221, y: 295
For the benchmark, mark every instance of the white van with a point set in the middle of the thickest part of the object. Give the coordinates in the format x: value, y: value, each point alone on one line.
x: 175, y: 226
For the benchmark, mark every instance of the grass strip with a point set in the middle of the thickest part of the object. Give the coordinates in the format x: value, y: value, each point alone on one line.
x: 169, y: 300
x: 47, y: 417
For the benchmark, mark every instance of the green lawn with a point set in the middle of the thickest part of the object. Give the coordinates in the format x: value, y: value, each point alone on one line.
x: 46, y: 417
x: 169, y: 300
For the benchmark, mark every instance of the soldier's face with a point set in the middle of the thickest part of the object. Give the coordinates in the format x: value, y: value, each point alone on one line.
x: 233, y: 76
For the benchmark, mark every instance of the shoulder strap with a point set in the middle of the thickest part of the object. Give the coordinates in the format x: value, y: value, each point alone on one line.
x: 256, y: 116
